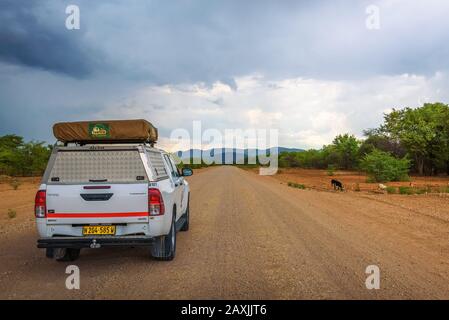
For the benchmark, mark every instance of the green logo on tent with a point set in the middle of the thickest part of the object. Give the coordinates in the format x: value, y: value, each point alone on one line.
x: 99, y: 130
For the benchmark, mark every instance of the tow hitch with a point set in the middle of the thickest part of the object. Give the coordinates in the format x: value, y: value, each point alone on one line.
x: 94, y: 244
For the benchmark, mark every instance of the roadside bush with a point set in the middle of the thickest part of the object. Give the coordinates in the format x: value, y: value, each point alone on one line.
x: 444, y: 189
x: 406, y: 190
x: 391, y: 190
x: 303, y: 159
x: 193, y: 165
x: 12, y: 213
x: 296, y: 185
x: 382, y: 167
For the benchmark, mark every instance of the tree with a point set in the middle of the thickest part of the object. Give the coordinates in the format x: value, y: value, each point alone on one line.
x: 346, y: 147
x: 440, y: 145
x: 20, y: 158
x: 376, y: 139
x: 423, y: 132
x: 10, y: 153
x: 288, y: 159
x: 34, y: 156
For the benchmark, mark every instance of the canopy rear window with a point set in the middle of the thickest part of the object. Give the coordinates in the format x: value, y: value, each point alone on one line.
x: 88, y: 166
x: 157, y: 165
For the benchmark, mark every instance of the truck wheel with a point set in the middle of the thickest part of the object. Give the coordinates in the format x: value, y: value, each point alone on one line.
x: 185, y: 226
x: 49, y: 253
x: 164, y: 247
x: 66, y: 254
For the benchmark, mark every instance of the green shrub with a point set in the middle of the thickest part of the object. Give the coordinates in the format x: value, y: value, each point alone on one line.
x: 406, y: 190
x: 391, y: 190
x: 444, y: 189
x: 12, y: 213
x: 296, y: 185
x: 382, y: 167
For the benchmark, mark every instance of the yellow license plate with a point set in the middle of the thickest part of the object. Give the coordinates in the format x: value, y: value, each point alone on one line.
x: 98, y: 230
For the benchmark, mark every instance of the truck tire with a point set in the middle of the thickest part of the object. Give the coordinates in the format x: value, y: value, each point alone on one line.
x: 66, y: 254
x: 185, y: 226
x: 49, y: 253
x: 164, y: 247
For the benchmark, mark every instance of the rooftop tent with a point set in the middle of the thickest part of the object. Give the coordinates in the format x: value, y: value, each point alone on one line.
x: 106, y: 131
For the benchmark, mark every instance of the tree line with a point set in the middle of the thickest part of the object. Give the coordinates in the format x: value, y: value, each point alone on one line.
x: 20, y: 158
x: 410, y: 140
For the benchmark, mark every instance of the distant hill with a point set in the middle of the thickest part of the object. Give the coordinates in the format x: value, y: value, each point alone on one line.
x: 284, y: 149
x: 229, y: 155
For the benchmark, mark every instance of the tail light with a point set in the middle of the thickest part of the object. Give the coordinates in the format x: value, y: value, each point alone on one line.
x: 40, y: 204
x: 155, y: 202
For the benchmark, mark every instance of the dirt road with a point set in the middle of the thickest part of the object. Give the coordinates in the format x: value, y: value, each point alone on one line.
x: 252, y: 237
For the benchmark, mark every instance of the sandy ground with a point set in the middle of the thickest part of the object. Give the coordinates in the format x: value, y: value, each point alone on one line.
x: 251, y: 237
x: 320, y: 180
x: 434, y: 204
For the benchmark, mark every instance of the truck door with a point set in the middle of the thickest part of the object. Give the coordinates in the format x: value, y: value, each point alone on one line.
x: 177, y: 181
x: 182, y: 187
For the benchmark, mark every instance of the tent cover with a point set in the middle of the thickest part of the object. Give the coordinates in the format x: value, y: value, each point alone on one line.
x: 106, y: 131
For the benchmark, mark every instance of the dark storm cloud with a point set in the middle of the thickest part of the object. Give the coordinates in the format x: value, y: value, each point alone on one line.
x: 49, y: 74
x: 34, y: 35
x: 187, y: 41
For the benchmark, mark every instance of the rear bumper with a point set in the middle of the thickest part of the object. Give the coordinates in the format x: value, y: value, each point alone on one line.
x: 94, y: 242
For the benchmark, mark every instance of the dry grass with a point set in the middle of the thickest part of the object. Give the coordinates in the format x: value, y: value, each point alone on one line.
x: 12, y: 213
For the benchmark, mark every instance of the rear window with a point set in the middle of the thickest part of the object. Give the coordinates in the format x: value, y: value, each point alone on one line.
x: 111, y: 166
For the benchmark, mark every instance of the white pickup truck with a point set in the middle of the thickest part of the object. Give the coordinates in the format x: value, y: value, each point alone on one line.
x: 99, y: 195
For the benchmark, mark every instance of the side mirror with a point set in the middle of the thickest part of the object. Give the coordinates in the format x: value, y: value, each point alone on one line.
x: 186, y: 172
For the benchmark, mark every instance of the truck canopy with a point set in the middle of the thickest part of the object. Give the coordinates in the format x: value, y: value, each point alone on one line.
x: 107, y: 131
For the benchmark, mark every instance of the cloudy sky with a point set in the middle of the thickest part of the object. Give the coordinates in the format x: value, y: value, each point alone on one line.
x: 310, y: 69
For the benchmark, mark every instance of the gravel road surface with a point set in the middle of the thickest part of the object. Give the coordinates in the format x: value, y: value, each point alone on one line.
x: 251, y: 237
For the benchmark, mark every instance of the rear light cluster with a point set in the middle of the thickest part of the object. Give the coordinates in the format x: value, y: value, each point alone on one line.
x: 155, y: 202
x: 40, y: 204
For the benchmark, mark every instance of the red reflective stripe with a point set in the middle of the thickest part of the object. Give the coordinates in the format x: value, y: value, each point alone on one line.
x: 97, y: 215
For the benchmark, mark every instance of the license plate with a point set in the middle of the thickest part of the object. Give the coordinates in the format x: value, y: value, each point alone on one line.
x: 98, y: 230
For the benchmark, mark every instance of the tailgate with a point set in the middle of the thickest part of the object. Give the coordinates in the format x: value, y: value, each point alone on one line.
x: 100, y: 185
x: 91, y: 204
